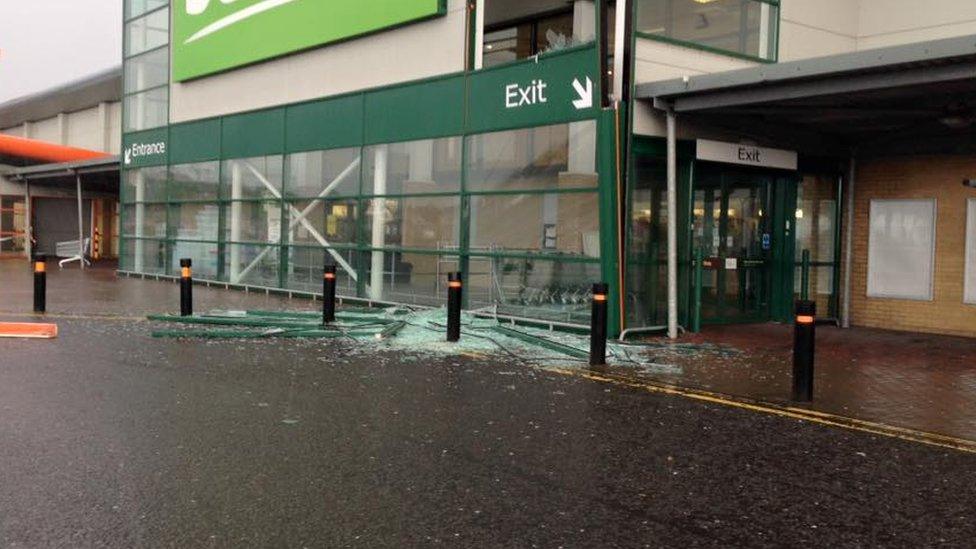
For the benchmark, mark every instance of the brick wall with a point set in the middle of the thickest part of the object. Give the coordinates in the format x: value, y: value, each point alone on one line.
x: 938, y: 177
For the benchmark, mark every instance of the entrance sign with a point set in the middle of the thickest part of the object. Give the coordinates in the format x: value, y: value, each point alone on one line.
x: 746, y: 155
x: 215, y: 35
x: 148, y: 148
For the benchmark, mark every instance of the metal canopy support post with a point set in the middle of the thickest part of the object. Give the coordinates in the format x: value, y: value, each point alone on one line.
x: 81, y: 224
x: 28, y: 226
x: 672, y: 225
x: 849, y: 242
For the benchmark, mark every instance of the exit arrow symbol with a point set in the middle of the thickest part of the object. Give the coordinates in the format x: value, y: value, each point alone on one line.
x: 585, y: 94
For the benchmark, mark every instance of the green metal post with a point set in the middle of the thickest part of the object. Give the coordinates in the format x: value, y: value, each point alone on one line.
x: 805, y: 276
x: 696, y: 313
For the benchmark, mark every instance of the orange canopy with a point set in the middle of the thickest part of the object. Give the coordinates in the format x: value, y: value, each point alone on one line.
x: 43, y: 151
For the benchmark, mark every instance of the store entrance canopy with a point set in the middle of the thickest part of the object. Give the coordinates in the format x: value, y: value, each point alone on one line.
x: 913, y: 98
x: 94, y: 176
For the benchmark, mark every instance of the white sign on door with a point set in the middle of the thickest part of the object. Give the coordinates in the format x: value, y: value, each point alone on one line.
x: 747, y: 155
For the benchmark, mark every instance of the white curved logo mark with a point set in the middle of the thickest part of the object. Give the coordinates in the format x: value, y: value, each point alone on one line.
x: 197, y: 7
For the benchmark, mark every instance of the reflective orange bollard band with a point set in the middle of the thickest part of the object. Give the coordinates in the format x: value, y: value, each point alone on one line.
x: 804, y: 319
x: 330, y: 276
x: 185, y: 272
x: 40, y: 267
x: 454, y: 284
x: 599, y: 297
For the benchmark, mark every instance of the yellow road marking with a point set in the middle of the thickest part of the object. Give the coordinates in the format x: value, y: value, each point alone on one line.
x: 813, y: 416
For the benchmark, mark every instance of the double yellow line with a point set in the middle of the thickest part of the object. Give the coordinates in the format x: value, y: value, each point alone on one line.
x: 812, y: 416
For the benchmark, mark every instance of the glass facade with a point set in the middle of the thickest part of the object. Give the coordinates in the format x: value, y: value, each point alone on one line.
x: 519, y: 208
x: 747, y: 28
x: 145, y: 65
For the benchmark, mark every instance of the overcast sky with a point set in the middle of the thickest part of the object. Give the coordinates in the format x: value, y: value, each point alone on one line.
x: 44, y: 43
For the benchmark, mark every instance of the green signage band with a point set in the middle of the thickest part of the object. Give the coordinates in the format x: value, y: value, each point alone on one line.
x: 211, y: 36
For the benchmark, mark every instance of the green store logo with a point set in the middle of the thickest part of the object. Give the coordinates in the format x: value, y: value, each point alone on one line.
x: 198, y: 8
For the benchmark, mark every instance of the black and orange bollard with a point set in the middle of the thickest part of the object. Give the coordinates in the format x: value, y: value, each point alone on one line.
x: 804, y: 338
x: 40, y: 283
x: 454, y: 289
x: 598, y: 325
x: 329, y: 294
x: 186, y: 287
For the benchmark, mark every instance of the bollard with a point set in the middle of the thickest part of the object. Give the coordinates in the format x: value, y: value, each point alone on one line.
x: 804, y: 337
x: 186, y: 287
x: 805, y: 275
x: 329, y: 294
x: 40, y: 284
x: 454, y: 289
x: 598, y: 325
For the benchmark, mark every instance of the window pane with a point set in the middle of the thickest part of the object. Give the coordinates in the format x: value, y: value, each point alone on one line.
x: 144, y: 256
x: 544, y: 158
x: 144, y: 185
x: 148, y: 70
x: 135, y: 8
x: 205, y: 256
x: 555, y: 33
x: 900, y: 249
x: 323, y: 173
x: 816, y: 222
x: 566, y: 223
x: 407, y: 277
x: 426, y: 222
x: 147, y: 110
x: 311, y: 222
x: 306, y: 267
x: 252, y: 222
x: 747, y: 27
x: 428, y: 166
x: 519, y: 30
x: 533, y: 287
x: 144, y: 220
x: 507, y: 45
x: 252, y: 265
x: 194, y: 181
x: 194, y: 221
x: 147, y: 33
x: 247, y: 178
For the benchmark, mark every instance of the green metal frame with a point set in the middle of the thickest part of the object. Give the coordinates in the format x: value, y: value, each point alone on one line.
x: 782, y: 200
x: 126, y: 21
x: 720, y: 51
x: 439, y: 108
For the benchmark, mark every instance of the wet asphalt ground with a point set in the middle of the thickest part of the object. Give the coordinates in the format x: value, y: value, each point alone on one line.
x: 109, y: 438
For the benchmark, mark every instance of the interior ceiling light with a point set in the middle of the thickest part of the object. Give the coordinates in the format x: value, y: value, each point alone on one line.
x: 957, y: 117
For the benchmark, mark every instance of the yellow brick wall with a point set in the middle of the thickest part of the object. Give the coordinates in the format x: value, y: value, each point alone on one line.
x: 938, y: 177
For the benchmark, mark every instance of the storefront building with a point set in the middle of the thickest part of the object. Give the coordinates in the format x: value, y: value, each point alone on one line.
x: 521, y: 143
x: 59, y: 169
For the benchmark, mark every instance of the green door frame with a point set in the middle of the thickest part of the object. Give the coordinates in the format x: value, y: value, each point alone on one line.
x: 782, y: 203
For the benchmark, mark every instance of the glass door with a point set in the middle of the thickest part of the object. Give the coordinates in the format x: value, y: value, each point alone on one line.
x: 733, y: 226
